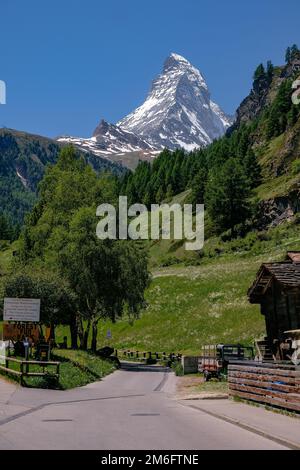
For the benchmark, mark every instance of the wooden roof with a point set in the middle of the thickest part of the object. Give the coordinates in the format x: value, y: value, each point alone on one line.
x: 293, y: 256
x: 287, y: 273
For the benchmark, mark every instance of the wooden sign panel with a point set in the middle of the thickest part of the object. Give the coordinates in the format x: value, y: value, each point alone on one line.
x: 20, y: 331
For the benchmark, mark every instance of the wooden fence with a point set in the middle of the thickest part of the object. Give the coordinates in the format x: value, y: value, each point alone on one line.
x: 24, y: 368
x: 145, y: 355
x: 267, y: 383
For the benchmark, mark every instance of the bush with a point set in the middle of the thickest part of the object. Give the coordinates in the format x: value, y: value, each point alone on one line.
x: 169, y: 261
x: 150, y: 361
x: 178, y: 369
x: 296, y: 166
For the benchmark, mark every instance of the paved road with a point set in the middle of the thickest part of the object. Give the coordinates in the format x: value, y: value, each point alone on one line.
x: 134, y: 408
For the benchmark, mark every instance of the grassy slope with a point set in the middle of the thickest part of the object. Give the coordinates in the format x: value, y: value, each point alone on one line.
x: 77, y: 368
x: 193, y: 305
x: 279, y: 152
x: 207, y: 303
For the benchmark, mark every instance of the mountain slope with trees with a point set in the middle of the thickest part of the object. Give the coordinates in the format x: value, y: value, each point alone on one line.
x: 95, y: 279
x: 23, y: 159
x: 238, y: 172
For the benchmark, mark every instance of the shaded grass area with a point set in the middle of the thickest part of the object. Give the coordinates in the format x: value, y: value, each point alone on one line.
x: 77, y: 368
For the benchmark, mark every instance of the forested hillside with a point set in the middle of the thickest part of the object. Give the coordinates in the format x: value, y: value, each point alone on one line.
x: 257, y: 159
x: 23, y: 159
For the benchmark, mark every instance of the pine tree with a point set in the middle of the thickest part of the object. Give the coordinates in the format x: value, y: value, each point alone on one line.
x: 198, y: 186
x: 293, y: 115
x: 288, y: 55
x: 227, y: 196
x: 270, y: 70
x: 252, y: 169
x: 243, y: 143
x: 169, y: 193
x: 294, y: 51
x: 160, y: 195
x: 259, y: 72
x: 6, y: 229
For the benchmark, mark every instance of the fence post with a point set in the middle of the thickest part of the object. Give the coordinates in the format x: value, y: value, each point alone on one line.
x: 58, y: 370
x: 22, y: 372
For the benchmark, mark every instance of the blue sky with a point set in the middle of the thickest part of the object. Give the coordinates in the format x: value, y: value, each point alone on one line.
x: 69, y: 63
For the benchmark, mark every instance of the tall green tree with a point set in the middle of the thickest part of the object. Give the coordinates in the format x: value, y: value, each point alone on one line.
x: 294, y: 52
x: 270, y: 70
x: 227, y: 196
x: 108, y: 277
x: 259, y: 72
x: 198, y: 186
x: 252, y: 169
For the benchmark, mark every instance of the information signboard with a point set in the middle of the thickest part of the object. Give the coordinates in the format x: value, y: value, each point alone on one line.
x: 21, y: 310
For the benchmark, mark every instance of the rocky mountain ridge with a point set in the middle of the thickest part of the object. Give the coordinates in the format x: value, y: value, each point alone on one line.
x: 178, y: 113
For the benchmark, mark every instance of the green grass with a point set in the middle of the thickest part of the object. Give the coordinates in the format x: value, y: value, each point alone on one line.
x: 188, y: 306
x: 6, y: 256
x: 77, y: 368
x: 279, y: 186
x: 192, y: 305
x: 212, y: 386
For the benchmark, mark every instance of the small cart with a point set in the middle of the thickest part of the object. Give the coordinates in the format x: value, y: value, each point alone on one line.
x: 215, y: 358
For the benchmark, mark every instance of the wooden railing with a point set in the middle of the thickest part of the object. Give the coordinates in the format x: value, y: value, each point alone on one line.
x: 270, y: 384
x: 24, y: 368
x: 146, y: 355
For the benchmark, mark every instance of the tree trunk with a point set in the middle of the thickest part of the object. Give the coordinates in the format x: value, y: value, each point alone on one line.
x: 86, y: 335
x: 94, y: 335
x: 80, y: 331
x: 52, y: 333
x: 73, y: 331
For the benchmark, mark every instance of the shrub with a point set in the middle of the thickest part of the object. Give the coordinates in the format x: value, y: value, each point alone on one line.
x: 178, y: 369
x: 296, y: 166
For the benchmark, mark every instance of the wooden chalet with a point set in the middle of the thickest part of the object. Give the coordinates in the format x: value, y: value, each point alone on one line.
x: 277, y: 290
x: 274, y: 377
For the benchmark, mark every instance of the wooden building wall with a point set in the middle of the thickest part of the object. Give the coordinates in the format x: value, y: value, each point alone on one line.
x: 281, y: 309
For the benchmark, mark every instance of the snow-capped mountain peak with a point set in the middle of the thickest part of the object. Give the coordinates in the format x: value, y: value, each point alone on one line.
x: 178, y: 111
x: 108, y: 139
x: 176, y: 62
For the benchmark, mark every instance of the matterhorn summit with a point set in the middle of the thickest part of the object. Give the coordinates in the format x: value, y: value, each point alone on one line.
x: 178, y: 111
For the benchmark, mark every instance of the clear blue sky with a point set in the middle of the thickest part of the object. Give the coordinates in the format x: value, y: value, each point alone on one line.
x: 69, y: 63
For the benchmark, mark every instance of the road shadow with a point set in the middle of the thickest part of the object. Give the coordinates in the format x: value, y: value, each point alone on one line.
x: 137, y: 367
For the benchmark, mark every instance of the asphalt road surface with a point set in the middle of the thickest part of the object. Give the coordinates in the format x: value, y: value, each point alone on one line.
x: 134, y: 408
